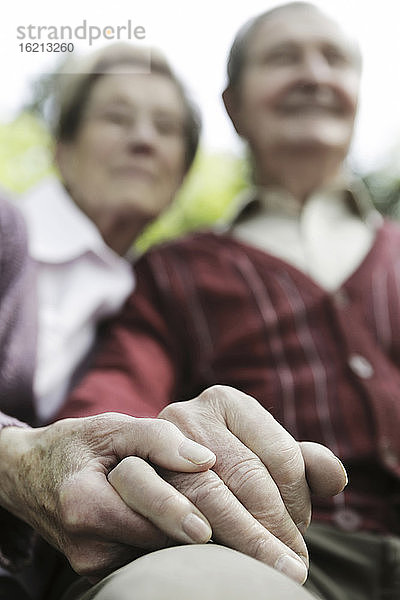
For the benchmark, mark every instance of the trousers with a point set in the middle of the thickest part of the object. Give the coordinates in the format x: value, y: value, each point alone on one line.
x: 352, y: 566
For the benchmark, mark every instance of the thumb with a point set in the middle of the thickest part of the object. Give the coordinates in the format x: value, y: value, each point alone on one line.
x: 162, y: 443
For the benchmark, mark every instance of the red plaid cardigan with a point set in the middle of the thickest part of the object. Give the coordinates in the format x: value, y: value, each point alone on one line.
x: 210, y: 309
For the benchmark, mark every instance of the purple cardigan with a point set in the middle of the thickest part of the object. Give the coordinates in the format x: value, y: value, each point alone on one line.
x: 17, y: 358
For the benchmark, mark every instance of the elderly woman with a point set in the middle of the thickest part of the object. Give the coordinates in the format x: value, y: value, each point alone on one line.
x: 126, y: 134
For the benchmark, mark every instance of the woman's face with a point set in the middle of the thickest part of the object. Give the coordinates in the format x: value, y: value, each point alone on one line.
x: 128, y: 156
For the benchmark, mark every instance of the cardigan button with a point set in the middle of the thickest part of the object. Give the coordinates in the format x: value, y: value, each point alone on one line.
x: 347, y: 519
x: 360, y: 366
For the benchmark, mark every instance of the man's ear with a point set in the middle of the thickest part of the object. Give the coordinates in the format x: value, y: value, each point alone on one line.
x: 231, y: 102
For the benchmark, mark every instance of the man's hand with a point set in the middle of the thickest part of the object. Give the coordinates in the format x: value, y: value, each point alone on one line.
x: 257, y: 497
x: 55, y: 479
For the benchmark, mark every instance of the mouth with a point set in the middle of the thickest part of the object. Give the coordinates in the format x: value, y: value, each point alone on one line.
x: 136, y: 172
x: 310, y: 108
x: 312, y: 102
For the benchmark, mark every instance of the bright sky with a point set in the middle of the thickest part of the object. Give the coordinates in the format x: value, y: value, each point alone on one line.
x: 196, y: 36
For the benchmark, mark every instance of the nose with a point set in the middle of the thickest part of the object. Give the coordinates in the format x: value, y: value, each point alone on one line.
x: 142, y: 134
x: 315, y: 69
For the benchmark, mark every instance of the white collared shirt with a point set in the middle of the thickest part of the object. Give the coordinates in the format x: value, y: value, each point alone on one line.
x: 80, y: 281
x: 323, y: 238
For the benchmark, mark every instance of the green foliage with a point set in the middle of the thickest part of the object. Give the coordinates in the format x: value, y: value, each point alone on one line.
x: 205, y: 198
x: 25, y: 153
x: 385, y: 190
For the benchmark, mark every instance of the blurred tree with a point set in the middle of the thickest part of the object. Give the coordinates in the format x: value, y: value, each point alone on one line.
x: 206, y: 197
x: 385, y: 189
x: 25, y: 152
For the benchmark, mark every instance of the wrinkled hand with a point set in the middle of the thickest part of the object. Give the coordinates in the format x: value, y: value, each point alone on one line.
x: 55, y: 479
x: 257, y: 497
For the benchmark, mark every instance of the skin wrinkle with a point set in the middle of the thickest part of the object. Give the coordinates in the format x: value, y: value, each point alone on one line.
x: 75, y: 516
x: 272, y: 512
x: 295, y: 460
x: 231, y: 438
x: 200, y: 487
x: 203, y: 486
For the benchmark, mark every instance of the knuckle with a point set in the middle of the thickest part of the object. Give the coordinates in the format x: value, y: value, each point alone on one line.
x: 129, y: 467
x: 173, y: 412
x: 271, y: 512
x: 166, y: 428
x: 215, y: 393
x: 291, y: 463
x: 160, y: 506
x: 244, y: 473
x: 185, y: 416
x: 260, y: 547
x: 227, y: 404
x: 278, y: 523
x: 203, y: 487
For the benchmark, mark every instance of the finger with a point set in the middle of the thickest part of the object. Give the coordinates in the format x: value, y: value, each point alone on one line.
x: 239, y: 467
x: 326, y: 474
x: 161, y: 442
x: 249, y: 480
x: 145, y: 492
x: 233, y: 525
x: 275, y: 447
x: 90, y: 508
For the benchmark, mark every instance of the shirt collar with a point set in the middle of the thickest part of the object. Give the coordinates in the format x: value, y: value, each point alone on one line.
x: 58, y: 230
x: 277, y: 200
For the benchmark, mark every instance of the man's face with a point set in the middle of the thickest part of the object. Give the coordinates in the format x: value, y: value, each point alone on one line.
x: 299, y: 87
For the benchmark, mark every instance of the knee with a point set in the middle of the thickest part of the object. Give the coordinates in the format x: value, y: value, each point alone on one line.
x: 199, y: 572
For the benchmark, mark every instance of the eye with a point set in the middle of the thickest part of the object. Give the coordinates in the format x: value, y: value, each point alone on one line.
x: 335, y: 57
x: 281, y: 56
x: 166, y: 125
x: 116, y: 117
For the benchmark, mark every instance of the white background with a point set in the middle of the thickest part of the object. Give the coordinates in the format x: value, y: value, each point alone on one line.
x: 196, y: 36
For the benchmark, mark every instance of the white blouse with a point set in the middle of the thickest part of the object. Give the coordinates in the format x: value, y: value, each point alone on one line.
x: 80, y: 281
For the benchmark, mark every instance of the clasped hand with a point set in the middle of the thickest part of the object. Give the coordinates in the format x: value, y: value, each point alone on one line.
x: 106, y: 489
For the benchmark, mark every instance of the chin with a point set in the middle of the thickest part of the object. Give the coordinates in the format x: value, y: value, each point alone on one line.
x: 326, y: 133
x: 320, y: 140
x: 146, y: 207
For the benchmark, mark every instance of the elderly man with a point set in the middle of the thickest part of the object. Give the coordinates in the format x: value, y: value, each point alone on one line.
x: 297, y: 305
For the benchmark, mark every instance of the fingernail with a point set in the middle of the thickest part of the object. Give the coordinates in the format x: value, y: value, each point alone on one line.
x: 344, y: 471
x: 195, y: 453
x: 303, y: 526
x: 292, y: 567
x: 198, y: 531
